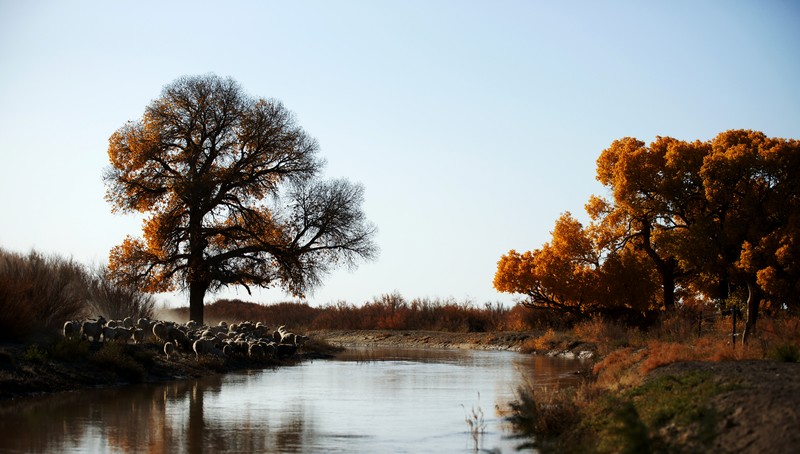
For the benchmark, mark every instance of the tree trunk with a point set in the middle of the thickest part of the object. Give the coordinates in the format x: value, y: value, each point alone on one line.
x: 666, y: 268
x: 197, y: 275
x: 753, y: 301
x: 197, y: 292
x: 668, y: 282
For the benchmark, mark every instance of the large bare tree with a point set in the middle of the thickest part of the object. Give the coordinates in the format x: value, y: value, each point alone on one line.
x: 230, y: 185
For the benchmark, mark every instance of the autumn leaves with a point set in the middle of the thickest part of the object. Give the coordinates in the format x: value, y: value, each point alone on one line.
x: 685, y: 224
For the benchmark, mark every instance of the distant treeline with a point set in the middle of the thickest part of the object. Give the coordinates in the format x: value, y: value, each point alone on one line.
x: 388, y: 311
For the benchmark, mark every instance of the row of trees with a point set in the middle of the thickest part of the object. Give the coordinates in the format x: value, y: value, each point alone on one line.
x: 687, y: 224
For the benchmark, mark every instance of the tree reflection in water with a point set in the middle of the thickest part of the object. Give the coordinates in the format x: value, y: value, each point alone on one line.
x: 170, y: 417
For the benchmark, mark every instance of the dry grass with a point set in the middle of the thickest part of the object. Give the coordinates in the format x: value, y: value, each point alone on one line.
x: 541, y: 414
x: 574, y: 420
x: 551, y: 340
x: 676, y: 340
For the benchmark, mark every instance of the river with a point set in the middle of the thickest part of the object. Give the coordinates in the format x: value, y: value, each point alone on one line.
x: 367, y: 400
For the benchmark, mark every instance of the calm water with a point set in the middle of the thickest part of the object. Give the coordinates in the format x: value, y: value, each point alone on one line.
x: 370, y: 400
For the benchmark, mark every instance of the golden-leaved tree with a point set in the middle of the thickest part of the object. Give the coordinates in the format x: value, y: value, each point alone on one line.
x: 752, y: 187
x: 230, y: 185
x: 577, y: 273
x: 707, y: 218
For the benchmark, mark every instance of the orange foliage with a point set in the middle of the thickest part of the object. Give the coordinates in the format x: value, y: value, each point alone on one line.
x: 688, y: 223
x: 576, y: 274
x: 558, y: 276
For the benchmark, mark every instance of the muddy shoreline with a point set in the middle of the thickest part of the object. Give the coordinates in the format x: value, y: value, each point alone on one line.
x: 23, y: 373
x: 423, y: 339
x: 506, y: 341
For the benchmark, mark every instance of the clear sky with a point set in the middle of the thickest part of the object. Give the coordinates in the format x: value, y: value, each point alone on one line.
x: 471, y: 124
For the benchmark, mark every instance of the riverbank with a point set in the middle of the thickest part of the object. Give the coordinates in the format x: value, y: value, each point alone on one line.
x: 423, y: 339
x: 509, y: 341
x: 57, y: 365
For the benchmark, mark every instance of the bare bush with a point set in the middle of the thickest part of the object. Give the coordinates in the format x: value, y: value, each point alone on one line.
x: 117, y: 301
x: 38, y: 293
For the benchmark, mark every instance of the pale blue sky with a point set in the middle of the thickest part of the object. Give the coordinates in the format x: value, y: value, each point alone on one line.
x: 471, y: 124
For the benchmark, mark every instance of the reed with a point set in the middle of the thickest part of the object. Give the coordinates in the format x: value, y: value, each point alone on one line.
x: 476, y: 424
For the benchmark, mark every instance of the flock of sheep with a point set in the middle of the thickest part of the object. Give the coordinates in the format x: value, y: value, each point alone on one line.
x: 244, y: 339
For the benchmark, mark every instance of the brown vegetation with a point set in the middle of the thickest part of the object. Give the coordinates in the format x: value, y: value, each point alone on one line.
x: 389, y: 312
x: 38, y: 293
x: 631, y: 401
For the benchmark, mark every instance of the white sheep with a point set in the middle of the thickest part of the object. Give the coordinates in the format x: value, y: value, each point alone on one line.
x: 227, y: 349
x: 255, y: 350
x: 72, y: 329
x: 202, y: 347
x: 290, y: 338
x: 124, y: 333
x: 160, y: 331
x: 169, y: 349
x: 143, y: 323
x: 300, y: 340
x: 270, y: 350
x: 93, y: 329
x: 178, y: 336
x: 138, y: 335
x: 109, y: 333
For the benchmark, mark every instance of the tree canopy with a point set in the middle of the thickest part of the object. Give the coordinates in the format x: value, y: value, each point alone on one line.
x: 690, y: 221
x: 232, y: 191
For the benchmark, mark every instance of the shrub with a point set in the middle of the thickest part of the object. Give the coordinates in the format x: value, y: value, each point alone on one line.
x: 69, y: 349
x: 293, y: 315
x: 35, y: 354
x: 549, y: 341
x: 543, y: 414
x: 624, y: 433
x: 788, y: 353
x: 117, y: 301
x: 38, y: 293
x: 607, y: 335
x: 115, y: 357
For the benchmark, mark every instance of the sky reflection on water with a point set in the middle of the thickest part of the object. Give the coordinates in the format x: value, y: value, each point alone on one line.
x: 370, y: 400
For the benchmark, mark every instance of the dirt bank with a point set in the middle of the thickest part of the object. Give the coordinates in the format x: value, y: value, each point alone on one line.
x: 759, y: 412
x: 28, y: 369
x: 423, y: 339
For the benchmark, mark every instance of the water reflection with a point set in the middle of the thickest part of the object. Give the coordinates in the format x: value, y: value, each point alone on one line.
x: 369, y: 400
